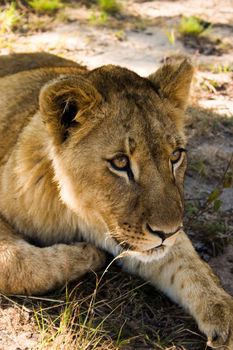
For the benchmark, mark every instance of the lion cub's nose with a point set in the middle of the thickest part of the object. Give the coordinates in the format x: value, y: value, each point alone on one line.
x: 161, y: 234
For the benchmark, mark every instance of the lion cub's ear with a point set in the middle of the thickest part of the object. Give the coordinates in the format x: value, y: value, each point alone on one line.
x: 173, y: 80
x: 62, y: 101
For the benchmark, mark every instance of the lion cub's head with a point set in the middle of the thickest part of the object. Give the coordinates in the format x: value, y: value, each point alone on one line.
x: 118, y: 151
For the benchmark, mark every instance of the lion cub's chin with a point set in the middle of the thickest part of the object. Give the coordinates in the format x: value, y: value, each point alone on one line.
x: 149, y: 255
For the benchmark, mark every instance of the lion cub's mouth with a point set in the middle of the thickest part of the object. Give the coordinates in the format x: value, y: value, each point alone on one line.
x: 168, y: 242
x: 164, y: 246
x: 149, y: 248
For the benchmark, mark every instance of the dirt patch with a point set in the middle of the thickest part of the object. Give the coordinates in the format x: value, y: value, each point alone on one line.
x: 17, y: 328
x: 203, y: 45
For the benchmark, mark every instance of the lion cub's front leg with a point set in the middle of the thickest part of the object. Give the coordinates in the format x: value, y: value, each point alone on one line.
x: 26, y: 269
x: 189, y: 281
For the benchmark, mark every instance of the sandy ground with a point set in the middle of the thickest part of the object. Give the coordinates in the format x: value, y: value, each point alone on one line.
x: 139, y: 40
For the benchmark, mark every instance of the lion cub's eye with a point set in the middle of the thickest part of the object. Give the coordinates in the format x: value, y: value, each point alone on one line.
x: 176, y: 155
x: 120, y: 162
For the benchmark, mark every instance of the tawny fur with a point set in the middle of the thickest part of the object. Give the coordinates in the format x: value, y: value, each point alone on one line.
x: 61, y: 126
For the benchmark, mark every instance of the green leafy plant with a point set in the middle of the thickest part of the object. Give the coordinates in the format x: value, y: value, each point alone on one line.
x: 171, y: 35
x: 213, y: 200
x: 191, y: 209
x: 9, y: 18
x: 120, y: 35
x: 45, y: 5
x: 191, y: 26
x: 221, y: 68
x: 109, y: 6
x: 98, y: 18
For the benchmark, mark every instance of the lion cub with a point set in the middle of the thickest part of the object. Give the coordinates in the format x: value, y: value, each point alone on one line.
x: 99, y: 156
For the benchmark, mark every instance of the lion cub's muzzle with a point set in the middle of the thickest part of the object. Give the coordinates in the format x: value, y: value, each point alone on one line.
x: 145, y: 238
x: 165, y: 238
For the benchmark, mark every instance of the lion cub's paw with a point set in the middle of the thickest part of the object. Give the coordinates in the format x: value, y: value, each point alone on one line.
x: 218, y: 324
x: 81, y: 258
x: 89, y: 254
x: 97, y: 256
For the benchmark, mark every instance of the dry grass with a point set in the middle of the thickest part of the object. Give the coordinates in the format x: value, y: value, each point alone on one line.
x: 122, y: 312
